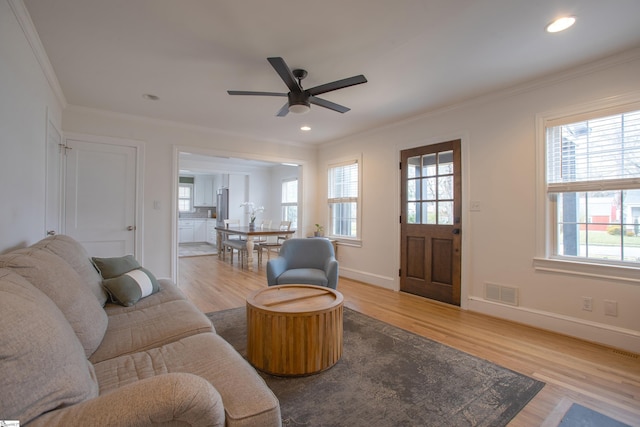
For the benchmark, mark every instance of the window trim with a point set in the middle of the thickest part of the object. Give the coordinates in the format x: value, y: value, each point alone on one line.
x: 349, y: 241
x: 544, y: 260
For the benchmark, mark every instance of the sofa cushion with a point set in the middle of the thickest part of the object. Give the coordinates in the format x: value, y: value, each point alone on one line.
x: 125, y: 280
x: 77, y: 257
x: 131, y: 331
x: 42, y: 364
x: 53, y: 276
x: 247, y: 399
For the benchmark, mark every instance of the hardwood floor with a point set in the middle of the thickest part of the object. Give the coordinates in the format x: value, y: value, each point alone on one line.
x: 604, y: 379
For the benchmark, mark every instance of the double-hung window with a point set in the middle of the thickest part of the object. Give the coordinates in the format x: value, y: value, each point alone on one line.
x: 593, y: 186
x: 290, y: 202
x: 185, y: 197
x: 344, y: 200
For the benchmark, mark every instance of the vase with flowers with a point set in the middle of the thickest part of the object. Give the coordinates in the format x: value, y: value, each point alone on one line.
x: 253, y: 213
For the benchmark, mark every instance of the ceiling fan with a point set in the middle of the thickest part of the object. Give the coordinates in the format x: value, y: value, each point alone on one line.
x: 299, y: 98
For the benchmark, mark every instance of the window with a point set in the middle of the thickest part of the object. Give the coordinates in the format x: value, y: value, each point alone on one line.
x: 344, y: 200
x: 430, y: 185
x: 593, y: 187
x: 185, y: 197
x: 290, y: 202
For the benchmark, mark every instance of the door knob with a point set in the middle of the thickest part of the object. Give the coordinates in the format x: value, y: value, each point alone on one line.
x: 51, y: 233
x: 131, y: 228
x: 456, y: 231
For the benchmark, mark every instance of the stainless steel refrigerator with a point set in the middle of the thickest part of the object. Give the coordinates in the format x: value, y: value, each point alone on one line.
x: 222, y: 206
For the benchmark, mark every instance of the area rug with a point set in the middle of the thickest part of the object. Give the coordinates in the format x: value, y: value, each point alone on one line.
x: 581, y: 416
x: 390, y: 377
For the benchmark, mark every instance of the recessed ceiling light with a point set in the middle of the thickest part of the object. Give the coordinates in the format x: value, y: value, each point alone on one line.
x: 305, y: 128
x: 151, y: 97
x: 560, y: 24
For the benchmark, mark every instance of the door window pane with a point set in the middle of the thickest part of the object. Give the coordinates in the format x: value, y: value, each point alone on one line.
x: 429, y: 185
x: 413, y: 189
x: 413, y: 167
x: 445, y: 213
x: 429, y: 163
x: 445, y: 163
x: 429, y: 213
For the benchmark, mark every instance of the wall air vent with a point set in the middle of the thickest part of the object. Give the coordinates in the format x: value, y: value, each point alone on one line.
x: 501, y: 294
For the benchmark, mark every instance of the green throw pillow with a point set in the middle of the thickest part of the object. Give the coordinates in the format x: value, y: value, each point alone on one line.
x: 114, y: 267
x: 125, y: 280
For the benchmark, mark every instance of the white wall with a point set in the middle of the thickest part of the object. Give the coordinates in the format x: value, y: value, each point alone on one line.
x: 499, y: 170
x: 162, y: 141
x: 26, y: 103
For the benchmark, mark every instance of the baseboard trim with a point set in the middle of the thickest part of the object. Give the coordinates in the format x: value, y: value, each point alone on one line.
x: 373, y: 279
x: 611, y: 336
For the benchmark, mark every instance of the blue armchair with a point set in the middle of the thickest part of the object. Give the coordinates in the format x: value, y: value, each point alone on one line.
x: 309, y: 261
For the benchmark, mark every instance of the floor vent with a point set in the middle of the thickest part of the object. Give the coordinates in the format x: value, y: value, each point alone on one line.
x: 499, y: 293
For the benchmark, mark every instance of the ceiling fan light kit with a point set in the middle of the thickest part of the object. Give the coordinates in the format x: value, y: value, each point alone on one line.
x: 299, y: 99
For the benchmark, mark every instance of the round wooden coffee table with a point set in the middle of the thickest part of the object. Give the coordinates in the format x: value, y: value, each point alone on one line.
x: 294, y: 329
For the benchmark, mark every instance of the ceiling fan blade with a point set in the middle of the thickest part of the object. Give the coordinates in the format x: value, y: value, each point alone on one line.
x: 338, y: 84
x: 285, y: 73
x: 247, y: 92
x: 328, y: 104
x: 284, y: 110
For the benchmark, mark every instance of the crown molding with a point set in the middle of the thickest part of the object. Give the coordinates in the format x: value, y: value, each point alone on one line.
x: 28, y: 28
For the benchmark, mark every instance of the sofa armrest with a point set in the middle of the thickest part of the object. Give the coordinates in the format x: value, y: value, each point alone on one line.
x: 331, y: 269
x: 275, y: 267
x: 181, y: 397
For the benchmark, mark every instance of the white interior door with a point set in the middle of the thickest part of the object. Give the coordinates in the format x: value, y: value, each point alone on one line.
x: 53, y: 186
x: 100, y: 196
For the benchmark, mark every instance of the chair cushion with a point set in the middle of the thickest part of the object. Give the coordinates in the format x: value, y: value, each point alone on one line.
x: 53, y: 276
x: 308, y: 276
x: 42, y: 364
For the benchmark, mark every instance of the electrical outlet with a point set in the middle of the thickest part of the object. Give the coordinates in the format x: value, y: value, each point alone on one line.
x: 587, y: 303
x: 611, y: 308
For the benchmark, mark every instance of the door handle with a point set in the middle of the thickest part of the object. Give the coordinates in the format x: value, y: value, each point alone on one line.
x: 456, y: 231
x: 131, y: 228
x: 51, y: 233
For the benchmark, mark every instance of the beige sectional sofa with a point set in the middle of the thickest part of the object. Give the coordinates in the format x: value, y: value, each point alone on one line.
x: 70, y: 357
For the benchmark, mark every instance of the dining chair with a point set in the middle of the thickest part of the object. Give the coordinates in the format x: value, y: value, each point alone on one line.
x: 227, y: 238
x: 273, y: 246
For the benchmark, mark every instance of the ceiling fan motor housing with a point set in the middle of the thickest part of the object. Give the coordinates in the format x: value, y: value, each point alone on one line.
x: 299, y: 102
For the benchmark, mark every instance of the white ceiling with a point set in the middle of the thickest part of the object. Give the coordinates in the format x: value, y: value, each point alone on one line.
x: 417, y: 55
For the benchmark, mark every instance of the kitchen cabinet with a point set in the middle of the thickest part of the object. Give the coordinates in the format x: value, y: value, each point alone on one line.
x: 204, y: 190
x: 185, y: 231
x: 199, y: 230
x: 211, y: 231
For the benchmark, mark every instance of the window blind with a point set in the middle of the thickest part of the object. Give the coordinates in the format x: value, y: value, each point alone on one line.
x: 594, y: 155
x: 343, y: 181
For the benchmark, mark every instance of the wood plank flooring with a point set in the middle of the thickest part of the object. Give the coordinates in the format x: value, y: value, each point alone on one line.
x: 604, y: 379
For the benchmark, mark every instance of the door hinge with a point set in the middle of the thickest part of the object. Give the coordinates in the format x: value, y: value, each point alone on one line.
x: 399, y: 272
x: 400, y: 165
x: 400, y: 219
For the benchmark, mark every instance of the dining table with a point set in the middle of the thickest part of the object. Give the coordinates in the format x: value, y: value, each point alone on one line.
x: 250, y: 234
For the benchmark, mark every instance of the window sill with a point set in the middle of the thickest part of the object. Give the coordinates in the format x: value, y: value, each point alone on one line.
x: 346, y: 242
x: 588, y: 269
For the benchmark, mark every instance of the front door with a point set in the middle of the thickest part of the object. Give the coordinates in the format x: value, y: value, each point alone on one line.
x: 100, y: 196
x: 430, y: 222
